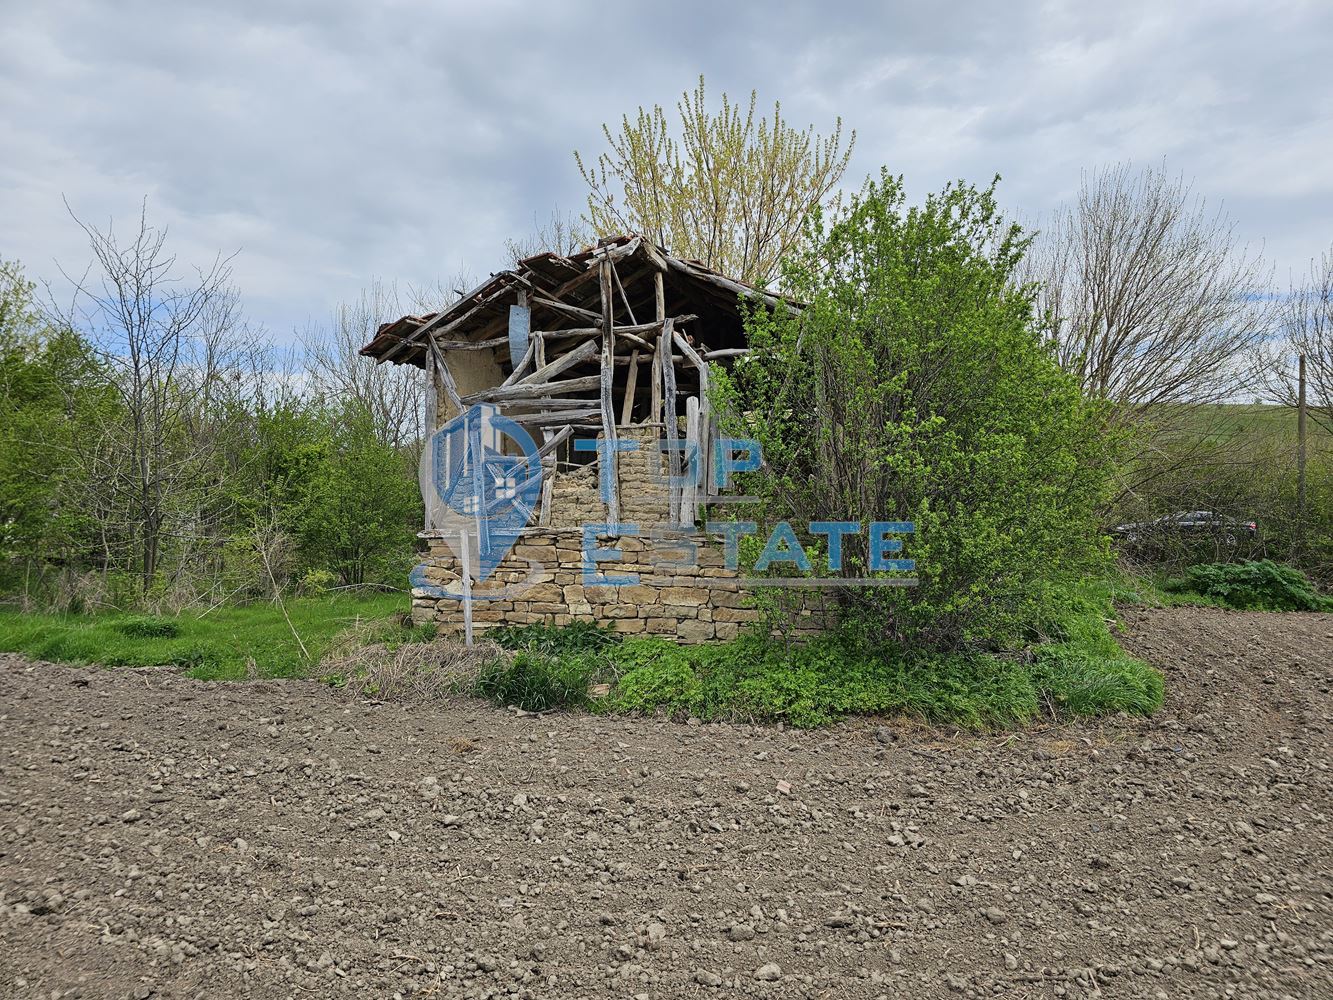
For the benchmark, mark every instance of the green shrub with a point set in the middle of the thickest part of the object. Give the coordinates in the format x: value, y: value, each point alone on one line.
x: 198, y: 656
x: 917, y: 385
x: 318, y: 581
x: 1260, y: 585
x: 818, y: 682
x: 1077, y: 669
x: 149, y: 627
x: 657, y: 675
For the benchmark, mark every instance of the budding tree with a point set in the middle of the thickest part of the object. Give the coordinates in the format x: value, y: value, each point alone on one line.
x: 725, y: 189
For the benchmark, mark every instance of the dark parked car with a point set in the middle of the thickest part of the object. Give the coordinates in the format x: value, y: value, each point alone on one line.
x: 1193, y: 522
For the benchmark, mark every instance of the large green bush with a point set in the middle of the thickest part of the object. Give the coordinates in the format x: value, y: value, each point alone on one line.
x: 916, y: 386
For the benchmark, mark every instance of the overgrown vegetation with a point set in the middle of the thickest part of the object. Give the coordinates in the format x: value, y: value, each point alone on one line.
x: 1260, y: 585
x: 152, y: 457
x: 916, y: 386
x: 549, y: 667
x: 1081, y: 672
x: 205, y: 505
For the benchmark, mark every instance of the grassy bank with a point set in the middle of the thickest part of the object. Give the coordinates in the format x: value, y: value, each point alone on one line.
x: 226, y: 644
x: 1079, y: 671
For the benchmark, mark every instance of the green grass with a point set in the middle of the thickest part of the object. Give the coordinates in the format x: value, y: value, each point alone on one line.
x: 1224, y: 423
x: 1250, y: 585
x: 1147, y: 591
x: 218, y: 646
x: 1082, y: 671
x: 1079, y: 672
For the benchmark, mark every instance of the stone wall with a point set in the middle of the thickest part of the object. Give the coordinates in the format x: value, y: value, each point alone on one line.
x: 576, y: 498
x: 541, y: 581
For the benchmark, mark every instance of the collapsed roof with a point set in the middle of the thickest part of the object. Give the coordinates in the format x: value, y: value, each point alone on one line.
x: 563, y: 293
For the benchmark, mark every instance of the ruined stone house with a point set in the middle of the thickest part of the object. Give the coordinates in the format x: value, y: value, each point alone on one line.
x: 612, y: 344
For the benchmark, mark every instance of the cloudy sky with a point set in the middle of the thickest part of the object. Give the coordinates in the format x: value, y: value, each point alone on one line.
x: 332, y: 142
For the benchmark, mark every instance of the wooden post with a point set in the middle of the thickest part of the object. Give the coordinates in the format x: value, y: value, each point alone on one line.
x: 548, y: 464
x: 655, y: 403
x: 548, y: 486
x: 522, y: 365
x: 655, y: 400
x: 705, y: 408
x: 631, y: 383
x: 669, y: 419
x: 467, y: 586
x: 623, y: 297
x: 432, y: 395
x: 714, y: 434
x: 608, y: 373
x: 432, y: 413
x: 446, y: 377
x: 689, y: 500
x: 584, y: 352
x: 1300, y: 451
x: 705, y: 460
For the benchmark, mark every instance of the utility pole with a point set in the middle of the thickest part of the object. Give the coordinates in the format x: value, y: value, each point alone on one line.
x: 1300, y: 451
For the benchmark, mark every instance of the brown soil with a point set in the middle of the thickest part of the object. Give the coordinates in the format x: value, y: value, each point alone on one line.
x: 162, y: 837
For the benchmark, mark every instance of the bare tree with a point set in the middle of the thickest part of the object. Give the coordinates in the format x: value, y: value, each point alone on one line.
x: 1306, y: 323
x: 560, y: 233
x: 393, y: 395
x: 1152, y: 301
x: 170, y: 347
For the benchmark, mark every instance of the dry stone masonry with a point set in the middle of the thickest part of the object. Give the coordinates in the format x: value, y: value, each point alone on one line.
x: 541, y: 581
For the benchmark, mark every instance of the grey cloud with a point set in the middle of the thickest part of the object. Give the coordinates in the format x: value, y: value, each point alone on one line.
x: 335, y: 142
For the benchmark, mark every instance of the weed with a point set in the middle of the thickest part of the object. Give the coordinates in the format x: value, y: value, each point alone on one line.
x: 1079, y: 670
x: 576, y: 637
x: 410, y: 671
x: 537, y: 682
x: 1260, y: 585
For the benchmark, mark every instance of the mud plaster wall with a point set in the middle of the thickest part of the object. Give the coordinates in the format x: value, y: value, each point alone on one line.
x: 473, y: 371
